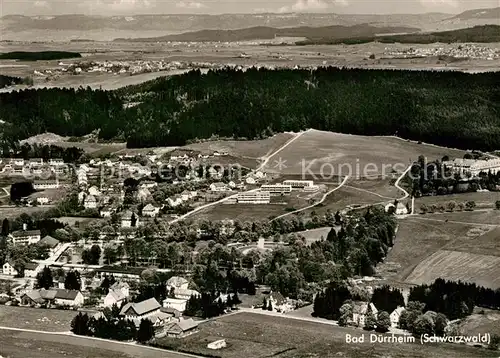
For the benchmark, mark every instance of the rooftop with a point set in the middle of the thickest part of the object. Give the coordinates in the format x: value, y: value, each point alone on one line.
x: 142, y: 307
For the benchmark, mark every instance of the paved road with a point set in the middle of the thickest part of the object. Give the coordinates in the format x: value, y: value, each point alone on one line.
x: 315, y: 204
x: 68, y: 338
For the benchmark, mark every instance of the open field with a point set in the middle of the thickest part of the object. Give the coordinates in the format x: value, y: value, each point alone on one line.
x: 49, y: 320
x: 455, y: 266
x: 94, y: 149
x: 247, y: 149
x: 416, y: 240
x: 257, y: 336
x: 11, y: 212
x: 241, y: 212
x: 383, y: 187
x: 283, y: 55
x: 17, y: 344
x: 486, y: 217
x: 343, y: 197
x: 482, y: 320
x: 483, y: 199
x: 314, y: 234
x: 328, y: 153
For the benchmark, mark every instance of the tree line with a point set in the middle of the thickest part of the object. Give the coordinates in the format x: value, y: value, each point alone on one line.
x: 418, y: 105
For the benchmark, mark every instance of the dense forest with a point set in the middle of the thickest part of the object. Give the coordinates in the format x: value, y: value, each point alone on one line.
x: 6, y: 81
x: 418, y: 105
x: 480, y: 34
x: 38, y: 55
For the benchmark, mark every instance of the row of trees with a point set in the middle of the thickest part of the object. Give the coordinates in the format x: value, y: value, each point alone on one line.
x: 259, y: 102
x: 110, y: 326
x: 209, y: 305
x: 449, y: 206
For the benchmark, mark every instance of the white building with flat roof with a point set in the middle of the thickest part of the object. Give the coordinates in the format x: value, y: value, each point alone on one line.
x: 299, y: 184
x: 276, y: 189
x: 254, y: 197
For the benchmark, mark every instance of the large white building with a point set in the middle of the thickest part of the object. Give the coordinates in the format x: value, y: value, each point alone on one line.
x: 25, y: 237
x: 45, y: 184
x: 307, y: 185
x: 254, y: 197
x: 277, y: 189
x: 473, y: 167
x: 178, y: 304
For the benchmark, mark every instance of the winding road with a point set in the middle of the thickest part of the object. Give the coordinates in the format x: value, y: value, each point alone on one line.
x: 315, y: 204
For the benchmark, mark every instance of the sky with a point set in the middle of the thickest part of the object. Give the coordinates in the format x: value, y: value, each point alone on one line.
x: 131, y: 7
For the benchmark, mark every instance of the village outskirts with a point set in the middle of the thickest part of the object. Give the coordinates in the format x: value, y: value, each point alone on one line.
x: 392, y: 338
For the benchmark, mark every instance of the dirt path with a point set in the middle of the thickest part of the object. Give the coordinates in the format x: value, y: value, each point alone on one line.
x: 315, y: 204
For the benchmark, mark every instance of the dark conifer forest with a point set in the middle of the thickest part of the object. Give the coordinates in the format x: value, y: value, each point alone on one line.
x: 446, y: 108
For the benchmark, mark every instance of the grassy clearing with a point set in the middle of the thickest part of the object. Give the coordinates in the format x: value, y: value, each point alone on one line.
x: 484, y: 200
x: 258, y: 336
x: 343, y: 197
x: 49, y: 320
x: 455, y: 266
x: 40, y: 345
x: 245, y: 149
x: 415, y: 241
x: 482, y: 320
x: 383, y: 187
x: 478, y: 217
x: 14, y: 212
x: 344, y: 152
x: 314, y: 235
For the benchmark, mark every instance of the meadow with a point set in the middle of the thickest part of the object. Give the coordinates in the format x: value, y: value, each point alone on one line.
x: 48, y: 320
x: 417, y: 239
x: 258, y: 336
x: 354, y: 155
x: 458, y: 266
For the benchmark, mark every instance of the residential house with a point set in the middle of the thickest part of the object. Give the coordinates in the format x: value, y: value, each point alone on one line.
x: 17, y: 161
x: 177, y: 282
x: 122, y: 286
x: 174, y: 201
x: 254, y: 197
x: 56, y: 162
x: 360, y: 311
x: 148, y: 309
x: 141, y: 309
x: 401, y: 209
x: 150, y: 210
x: 218, y: 187
x: 107, y: 211
x: 9, y: 269
x: 114, y: 297
x: 394, y: 316
x: 35, y: 162
x: 181, y: 328
x: 73, y: 298
x: 63, y: 297
x: 49, y: 242
x: 46, y: 184
x: 250, y: 180
x: 219, y: 344
x: 90, y: 202
x: 129, y: 219
x: 148, y: 184
x: 278, y: 302
x: 186, y: 293
x: 299, y: 184
x: 31, y: 269
x: 16, y: 169
x: 42, y: 200
x: 175, y: 303
x: 25, y: 237
x: 93, y: 190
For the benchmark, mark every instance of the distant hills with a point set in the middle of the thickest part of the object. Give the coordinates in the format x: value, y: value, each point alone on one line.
x: 480, y: 34
x: 263, y: 32
x: 106, y: 28
x: 493, y: 13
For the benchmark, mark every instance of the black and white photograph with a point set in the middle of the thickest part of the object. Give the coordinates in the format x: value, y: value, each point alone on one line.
x: 249, y: 178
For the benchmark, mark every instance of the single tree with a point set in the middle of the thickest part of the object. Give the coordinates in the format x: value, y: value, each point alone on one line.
x: 383, y: 322
x: 80, y: 324
x: 494, y: 342
x: 72, y: 281
x: 370, y: 321
x: 44, y: 279
x: 146, y: 331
